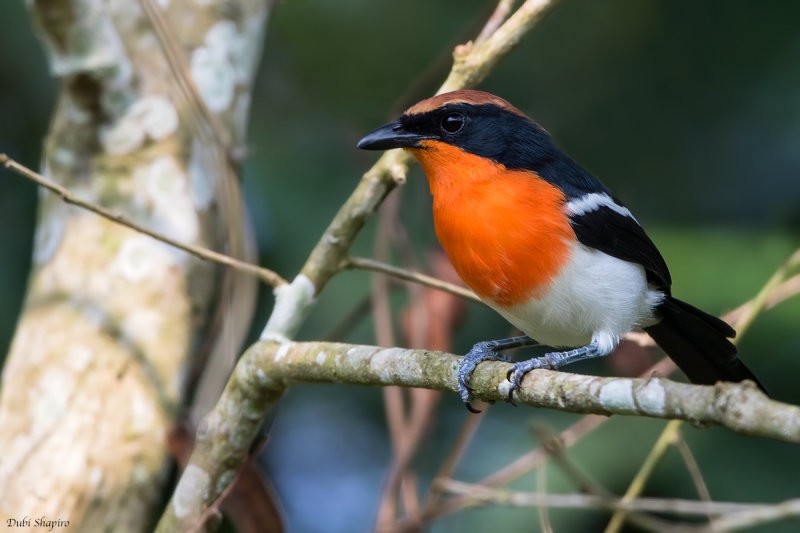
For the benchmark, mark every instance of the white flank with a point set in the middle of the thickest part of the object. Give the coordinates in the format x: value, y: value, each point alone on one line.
x: 595, y: 296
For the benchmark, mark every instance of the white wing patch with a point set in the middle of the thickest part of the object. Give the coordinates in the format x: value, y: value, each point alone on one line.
x: 594, y: 201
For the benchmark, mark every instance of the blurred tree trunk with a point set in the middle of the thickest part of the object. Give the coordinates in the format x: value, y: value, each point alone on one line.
x: 154, y: 99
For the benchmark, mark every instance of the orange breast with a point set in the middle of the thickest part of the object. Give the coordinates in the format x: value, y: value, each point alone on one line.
x: 505, y: 231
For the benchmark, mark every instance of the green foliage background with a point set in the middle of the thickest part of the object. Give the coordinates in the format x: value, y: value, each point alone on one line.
x: 689, y: 111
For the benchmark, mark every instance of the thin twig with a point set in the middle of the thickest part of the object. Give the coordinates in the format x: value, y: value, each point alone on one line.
x: 739, y: 317
x: 177, y: 61
x: 757, y: 304
x: 692, y: 466
x: 781, y: 293
x: 448, y: 466
x: 409, y: 412
x: 267, y: 276
x: 238, y: 294
x: 676, y: 506
x: 497, y: 18
x: 544, y: 512
x: 756, y: 516
x: 778, y: 295
x: 393, y: 397
x: 472, y: 63
x: 552, y: 445
x: 640, y: 479
x: 410, y: 494
x: 536, y: 458
x: 364, y: 263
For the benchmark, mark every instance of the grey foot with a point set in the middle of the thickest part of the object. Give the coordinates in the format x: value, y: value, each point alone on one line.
x: 484, y: 351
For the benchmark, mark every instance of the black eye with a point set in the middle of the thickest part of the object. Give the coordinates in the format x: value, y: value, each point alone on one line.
x: 453, y: 123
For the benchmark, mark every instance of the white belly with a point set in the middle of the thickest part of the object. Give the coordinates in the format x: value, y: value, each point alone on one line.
x: 595, y: 294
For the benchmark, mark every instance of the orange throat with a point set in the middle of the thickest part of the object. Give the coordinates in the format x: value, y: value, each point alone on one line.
x: 505, y: 231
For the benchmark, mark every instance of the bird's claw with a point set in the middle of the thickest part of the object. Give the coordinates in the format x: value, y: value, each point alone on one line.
x: 466, y: 395
x: 517, y: 373
x: 510, y: 372
x: 483, y: 351
x: 471, y: 409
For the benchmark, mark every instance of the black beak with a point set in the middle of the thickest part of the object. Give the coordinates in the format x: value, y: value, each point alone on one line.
x: 388, y: 136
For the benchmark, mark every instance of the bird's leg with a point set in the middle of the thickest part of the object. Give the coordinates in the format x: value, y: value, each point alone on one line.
x: 485, y: 351
x: 600, y: 346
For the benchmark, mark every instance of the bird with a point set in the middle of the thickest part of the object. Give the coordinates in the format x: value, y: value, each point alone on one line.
x: 546, y: 245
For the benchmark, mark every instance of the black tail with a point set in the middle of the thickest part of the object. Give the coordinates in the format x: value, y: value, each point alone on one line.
x: 698, y: 343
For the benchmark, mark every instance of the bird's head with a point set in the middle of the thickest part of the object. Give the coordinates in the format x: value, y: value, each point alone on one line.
x: 474, y: 122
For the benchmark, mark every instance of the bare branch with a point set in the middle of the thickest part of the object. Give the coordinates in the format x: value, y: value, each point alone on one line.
x: 553, y: 446
x: 781, y: 293
x: 692, y: 466
x: 472, y: 63
x: 267, y: 276
x: 761, y: 300
x: 755, y: 516
x: 448, y: 466
x: 637, y: 485
x: 206, y: 121
x: 544, y: 512
x: 498, y: 17
x: 393, y: 397
x: 680, y: 507
x: 409, y: 275
x: 741, y: 407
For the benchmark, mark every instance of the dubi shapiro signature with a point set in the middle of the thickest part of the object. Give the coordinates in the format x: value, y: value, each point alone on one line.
x: 41, y: 521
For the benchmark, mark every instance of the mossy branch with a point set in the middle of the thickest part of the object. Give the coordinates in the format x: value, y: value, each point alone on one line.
x: 741, y: 407
x: 268, y: 368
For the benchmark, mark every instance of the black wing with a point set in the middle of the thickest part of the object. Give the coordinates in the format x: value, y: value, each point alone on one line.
x: 622, y: 237
x: 602, y: 223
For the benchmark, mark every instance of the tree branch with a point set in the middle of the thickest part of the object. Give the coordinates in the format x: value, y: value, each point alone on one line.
x: 483, y: 495
x: 472, y: 63
x: 637, y: 485
x: 268, y: 368
x: 500, y: 14
x: 741, y: 407
x: 266, y: 275
x: 364, y: 263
